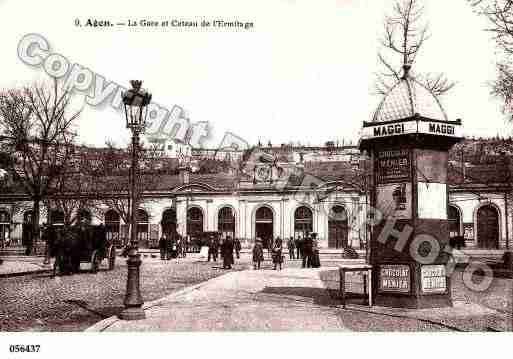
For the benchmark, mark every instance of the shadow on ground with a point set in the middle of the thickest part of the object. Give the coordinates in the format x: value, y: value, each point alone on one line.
x: 318, y: 296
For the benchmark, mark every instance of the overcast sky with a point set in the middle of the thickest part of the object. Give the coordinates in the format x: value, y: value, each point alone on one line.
x: 303, y: 73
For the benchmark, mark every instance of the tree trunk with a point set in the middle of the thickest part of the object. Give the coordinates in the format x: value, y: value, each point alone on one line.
x: 34, y: 236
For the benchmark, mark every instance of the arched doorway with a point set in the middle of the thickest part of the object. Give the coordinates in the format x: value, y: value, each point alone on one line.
x: 488, y: 227
x: 303, y: 222
x: 5, y: 228
x: 264, y: 225
x: 226, y: 222
x: 454, y: 219
x: 112, y: 227
x: 168, y: 222
x: 194, y: 222
x: 338, y: 228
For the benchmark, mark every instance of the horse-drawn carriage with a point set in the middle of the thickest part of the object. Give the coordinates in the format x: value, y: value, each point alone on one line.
x: 81, y: 245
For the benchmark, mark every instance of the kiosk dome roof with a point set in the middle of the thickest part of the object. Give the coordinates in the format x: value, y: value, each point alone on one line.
x: 406, y: 99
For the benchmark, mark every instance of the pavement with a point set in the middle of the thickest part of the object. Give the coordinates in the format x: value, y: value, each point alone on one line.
x: 23, y: 265
x: 293, y: 299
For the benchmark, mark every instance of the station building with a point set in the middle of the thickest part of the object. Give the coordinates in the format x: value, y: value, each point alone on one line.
x: 287, y: 191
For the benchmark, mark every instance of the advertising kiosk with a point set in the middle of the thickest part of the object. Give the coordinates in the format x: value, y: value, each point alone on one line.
x: 408, y: 141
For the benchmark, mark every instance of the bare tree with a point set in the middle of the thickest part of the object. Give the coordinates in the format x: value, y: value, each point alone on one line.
x: 405, y: 32
x: 110, y: 182
x: 38, y: 133
x: 500, y: 15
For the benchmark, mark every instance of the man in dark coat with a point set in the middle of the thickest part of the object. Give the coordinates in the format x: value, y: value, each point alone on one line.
x: 291, y: 247
x: 162, y: 247
x: 227, y: 251
x: 307, y: 251
x: 299, y: 245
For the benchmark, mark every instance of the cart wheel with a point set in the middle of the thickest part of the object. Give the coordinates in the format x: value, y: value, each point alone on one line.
x: 94, y: 262
x: 112, y: 257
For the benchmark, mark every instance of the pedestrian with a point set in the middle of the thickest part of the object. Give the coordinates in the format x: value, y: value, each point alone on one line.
x: 227, y: 251
x: 258, y: 253
x: 212, y: 249
x: 291, y: 247
x: 237, y: 246
x: 315, y: 260
x: 162, y: 247
x: 277, y: 253
x: 169, y: 246
x: 307, y: 247
x: 270, y: 245
x: 298, y: 244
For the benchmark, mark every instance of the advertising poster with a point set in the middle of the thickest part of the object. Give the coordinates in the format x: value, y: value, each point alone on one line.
x: 393, y: 166
x: 394, y: 278
x: 432, y: 200
x: 395, y: 200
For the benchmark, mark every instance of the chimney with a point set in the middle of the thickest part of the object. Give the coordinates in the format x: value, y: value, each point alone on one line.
x: 185, y: 173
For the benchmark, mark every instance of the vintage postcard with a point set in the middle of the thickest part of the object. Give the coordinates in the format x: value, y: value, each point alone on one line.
x: 209, y: 174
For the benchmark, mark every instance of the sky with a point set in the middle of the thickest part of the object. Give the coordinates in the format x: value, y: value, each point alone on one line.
x: 304, y: 73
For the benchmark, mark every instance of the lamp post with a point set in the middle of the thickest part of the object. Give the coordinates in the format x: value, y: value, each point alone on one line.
x: 135, y: 102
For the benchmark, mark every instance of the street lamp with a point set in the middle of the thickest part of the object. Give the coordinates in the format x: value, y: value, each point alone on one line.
x: 135, y: 102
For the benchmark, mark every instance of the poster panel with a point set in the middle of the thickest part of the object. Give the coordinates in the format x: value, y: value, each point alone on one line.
x: 393, y: 166
x: 395, y: 200
x: 394, y: 278
x: 433, y: 279
x: 432, y: 165
x: 432, y: 200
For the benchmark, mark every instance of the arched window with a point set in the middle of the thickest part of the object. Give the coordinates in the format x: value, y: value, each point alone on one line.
x: 454, y: 220
x: 194, y: 221
x: 226, y: 222
x: 488, y: 227
x: 303, y: 221
x: 338, y: 228
x: 112, y: 226
x: 264, y: 214
x: 142, y: 225
x: 5, y: 228
x: 168, y: 222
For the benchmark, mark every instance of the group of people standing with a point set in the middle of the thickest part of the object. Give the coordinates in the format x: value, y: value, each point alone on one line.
x: 173, y: 246
x: 225, y: 248
x: 306, y: 249
x: 275, y: 248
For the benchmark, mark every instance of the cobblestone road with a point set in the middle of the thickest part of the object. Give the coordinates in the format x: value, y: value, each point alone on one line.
x: 73, y: 303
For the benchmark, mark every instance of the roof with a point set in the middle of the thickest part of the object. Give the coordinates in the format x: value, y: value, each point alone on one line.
x: 407, y: 98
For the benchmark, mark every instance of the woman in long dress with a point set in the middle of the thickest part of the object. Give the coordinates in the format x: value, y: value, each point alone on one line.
x: 227, y: 251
